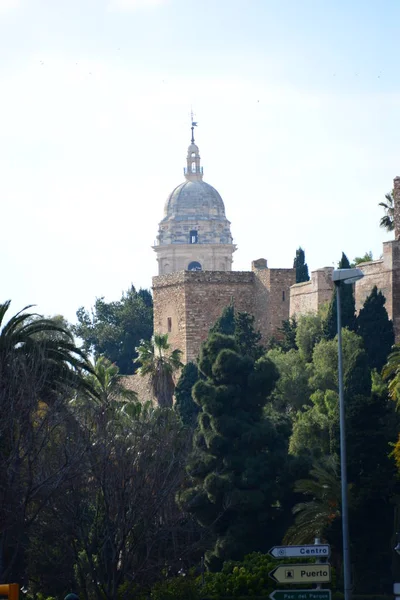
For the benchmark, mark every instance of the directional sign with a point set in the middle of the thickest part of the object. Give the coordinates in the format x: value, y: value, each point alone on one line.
x: 301, y: 595
x: 305, y: 573
x: 306, y: 551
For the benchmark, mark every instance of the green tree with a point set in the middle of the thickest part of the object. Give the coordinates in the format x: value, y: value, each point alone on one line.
x: 239, y: 454
x: 362, y: 259
x: 301, y: 267
x: 240, y: 325
x: 387, y: 221
x: 376, y: 329
x: 371, y: 426
x: 391, y: 374
x: 225, y: 324
x: 40, y: 370
x: 158, y: 361
x: 115, y: 329
x: 247, y: 338
x: 308, y: 333
x: 185, y: 405
x: 315, y: 429
x: 292, y: 391
x: 316, y: 516
x: 287, y: 333
x: 347, y: 305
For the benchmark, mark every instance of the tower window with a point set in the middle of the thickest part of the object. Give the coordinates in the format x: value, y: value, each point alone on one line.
x: 193, y: 154
x: 283, y: 296
x: 194, y: 266
x: 193, y: 237
x: 193, y: 167
x: 169, y: 324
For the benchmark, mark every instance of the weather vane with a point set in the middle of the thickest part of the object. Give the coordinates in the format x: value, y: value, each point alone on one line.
x: 194, y: 124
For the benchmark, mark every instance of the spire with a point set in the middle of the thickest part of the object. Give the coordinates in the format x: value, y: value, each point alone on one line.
x: 194, y: 124
x: 193, y: 171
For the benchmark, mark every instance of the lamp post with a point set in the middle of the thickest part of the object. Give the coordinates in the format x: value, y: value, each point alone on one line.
x: 339, y: 277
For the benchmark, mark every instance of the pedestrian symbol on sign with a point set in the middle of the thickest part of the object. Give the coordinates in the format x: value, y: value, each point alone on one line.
x: 289, y: 574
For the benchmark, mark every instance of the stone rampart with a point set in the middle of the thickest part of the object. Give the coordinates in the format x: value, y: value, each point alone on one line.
x: 207, y: 294
x: 308, y: 296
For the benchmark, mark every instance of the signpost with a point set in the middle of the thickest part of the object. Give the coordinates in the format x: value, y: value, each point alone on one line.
x: 306, y: 551
x: 301, y: 595
x: 304, y: 573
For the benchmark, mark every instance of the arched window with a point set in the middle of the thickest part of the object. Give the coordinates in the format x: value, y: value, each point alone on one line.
x: 194, y: 266
x: 193, y: 167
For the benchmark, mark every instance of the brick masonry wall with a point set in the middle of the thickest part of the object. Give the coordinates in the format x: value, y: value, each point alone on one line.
x: 272, y: 299
x: 207, y: 293
x: 308, y: 296
x: 169, y: 303
x: 194, y: 300
x: 396, y: 206
x: 375, y: 273
x: 385, y: 274
x: 396, y: 288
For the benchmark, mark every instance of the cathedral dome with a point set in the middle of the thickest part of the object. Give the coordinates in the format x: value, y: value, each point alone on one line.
x: 194, y: 233
x: 194, y: 200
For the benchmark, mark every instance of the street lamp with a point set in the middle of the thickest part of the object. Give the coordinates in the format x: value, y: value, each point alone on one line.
x: 339, y: 277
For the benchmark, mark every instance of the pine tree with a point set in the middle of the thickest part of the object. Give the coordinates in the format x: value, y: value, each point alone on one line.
x: 241, y: 326
x: 248, y: 340
x: 376, y: 329
x: 185, y: 405
x: 239, y: 454
x: 301, y: 266
x: 348, y: 306
x: 226, y: 322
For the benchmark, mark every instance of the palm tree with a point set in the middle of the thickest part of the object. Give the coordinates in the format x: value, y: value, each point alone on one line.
x: 160, y: 364
x: 387, y: 221
x: 391, y: 373
x: 29, y: 341
x: 104, y: 394
x: 40, y: 367
x: 316, y: 516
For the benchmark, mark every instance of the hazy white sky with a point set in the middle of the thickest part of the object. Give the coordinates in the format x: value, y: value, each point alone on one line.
x: 298, y: 109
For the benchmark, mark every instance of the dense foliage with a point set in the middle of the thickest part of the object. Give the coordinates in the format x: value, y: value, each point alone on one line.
x: 239, y: 453
x: 115, y: 329
x: 120, y: 499
x: 184, y: 403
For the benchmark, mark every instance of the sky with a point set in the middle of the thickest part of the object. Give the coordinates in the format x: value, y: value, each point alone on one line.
x: 297, y: 104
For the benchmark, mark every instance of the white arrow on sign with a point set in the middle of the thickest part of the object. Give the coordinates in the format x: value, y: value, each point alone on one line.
x: 306, y: 551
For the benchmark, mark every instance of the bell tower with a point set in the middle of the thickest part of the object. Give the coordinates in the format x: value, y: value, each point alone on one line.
x: 194, y: 234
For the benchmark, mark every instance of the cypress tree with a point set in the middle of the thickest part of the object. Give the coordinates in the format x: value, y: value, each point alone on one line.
x: 185, y: 405
x: 376, y: 329
x: 239, y: 453
x: 347, y: 304
x: 301, y: 266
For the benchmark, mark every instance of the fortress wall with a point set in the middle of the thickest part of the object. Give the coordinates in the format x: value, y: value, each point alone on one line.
x: 375, y: 273
x: 385, y: 274
x: 308, y: 296
x: 272, y: 299
x: 169, y: 303
x: 207, y: 293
